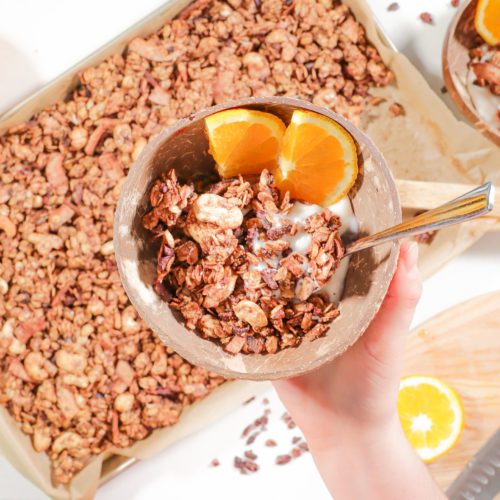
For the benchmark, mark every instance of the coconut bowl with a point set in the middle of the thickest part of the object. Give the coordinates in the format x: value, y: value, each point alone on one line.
x: 184, y: 147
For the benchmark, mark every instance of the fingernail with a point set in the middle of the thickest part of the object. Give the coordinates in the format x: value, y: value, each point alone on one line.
x: 411, y: 259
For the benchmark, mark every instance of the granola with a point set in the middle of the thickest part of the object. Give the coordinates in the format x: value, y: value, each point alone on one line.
x: 79, y: 370
x: 485, y: 63
x: 484, y: 76
x: 226, y: 262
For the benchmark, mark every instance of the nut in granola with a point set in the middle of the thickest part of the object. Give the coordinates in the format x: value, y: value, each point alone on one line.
x: 251, y: 313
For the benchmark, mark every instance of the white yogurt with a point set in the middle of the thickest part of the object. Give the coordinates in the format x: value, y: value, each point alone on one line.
x: 299, y: 243
x: 485, y: 102
x: 335, y: 287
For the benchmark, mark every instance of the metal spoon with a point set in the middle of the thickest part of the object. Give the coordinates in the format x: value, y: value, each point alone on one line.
x: 477, y: 202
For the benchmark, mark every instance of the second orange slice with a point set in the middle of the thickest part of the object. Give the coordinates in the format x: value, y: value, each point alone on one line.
x: 318, y: 161
x: 244, y: 141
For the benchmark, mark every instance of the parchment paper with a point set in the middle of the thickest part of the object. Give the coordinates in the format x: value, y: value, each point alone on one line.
x: 427, y: 143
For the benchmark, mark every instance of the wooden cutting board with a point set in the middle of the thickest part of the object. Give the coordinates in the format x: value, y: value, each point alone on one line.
x: 462, y: 347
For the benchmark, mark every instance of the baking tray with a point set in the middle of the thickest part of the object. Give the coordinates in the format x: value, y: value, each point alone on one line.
x: 426, y: 143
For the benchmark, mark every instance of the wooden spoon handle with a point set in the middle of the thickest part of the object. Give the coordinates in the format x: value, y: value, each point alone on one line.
x: 427, y: 195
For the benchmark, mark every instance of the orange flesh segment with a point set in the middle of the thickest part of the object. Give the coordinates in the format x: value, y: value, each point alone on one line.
x: 244, y: 141
x: 318, y: 161
x: 263, y: 154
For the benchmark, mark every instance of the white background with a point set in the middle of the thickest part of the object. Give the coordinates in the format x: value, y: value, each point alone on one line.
x: 41, y: 39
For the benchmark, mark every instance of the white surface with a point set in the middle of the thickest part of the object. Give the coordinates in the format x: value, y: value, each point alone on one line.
x: 34, y: 48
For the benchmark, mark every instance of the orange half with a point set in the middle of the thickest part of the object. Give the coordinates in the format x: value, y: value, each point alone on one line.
x: 487, y: 21
x: 318, y: 161
x: 431, y: 414
x: 244, y: 141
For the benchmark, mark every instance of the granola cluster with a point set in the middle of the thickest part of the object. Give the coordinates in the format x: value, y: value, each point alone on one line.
x: 227, y: 262
x: 79, y: 370
x: 485, y: 62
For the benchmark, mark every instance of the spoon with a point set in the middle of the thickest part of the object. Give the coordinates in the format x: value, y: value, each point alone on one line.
x: 477, y: 202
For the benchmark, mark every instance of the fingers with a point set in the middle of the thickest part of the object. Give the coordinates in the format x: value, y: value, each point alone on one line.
x: 364, y: 380
x: 387, y: 333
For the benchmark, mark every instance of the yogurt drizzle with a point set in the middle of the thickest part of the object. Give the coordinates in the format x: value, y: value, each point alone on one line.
x: 299, y: 243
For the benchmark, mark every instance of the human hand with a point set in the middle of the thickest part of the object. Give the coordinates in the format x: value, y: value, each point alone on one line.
x: 359, y: 389
x: 347, y: 409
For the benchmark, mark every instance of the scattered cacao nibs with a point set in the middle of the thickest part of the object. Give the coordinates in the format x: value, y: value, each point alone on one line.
x: 304, y: 446
x: 397, y: 109
x: 250, y: 466
x: 393, y: 7
x: 296, y: 452
x: 265, y: 401
x: 215, y: 463
x: 444, y: 90
x: 455, y: 3
x: 248, y: 401
x: 271, y: 442
x: 426, y: 18
x: 425, y: 238
x: 248, y: 429
x: 252, y: 438
x: 250, y: 454
x: 291, y: 425
x: 283, y: 459
x: 239, y: 464
x: 261, y: 421
x: 245, y: 466
x: 267, y: 411
x: 296, y: 439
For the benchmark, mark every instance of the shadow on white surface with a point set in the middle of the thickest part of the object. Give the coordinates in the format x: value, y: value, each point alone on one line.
x: 488, y: 245
x: 18, y: 76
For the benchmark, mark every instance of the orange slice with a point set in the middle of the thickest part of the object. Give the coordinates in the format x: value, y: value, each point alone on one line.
x: 431, y: 414
x: 487, y: 21
x: 318, y: 161
x: 244, y: 141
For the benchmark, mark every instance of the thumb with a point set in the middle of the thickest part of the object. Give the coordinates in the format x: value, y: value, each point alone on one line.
x: 386, y: 335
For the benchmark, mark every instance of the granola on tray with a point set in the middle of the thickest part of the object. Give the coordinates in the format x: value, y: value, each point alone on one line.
x: 79, y: 370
